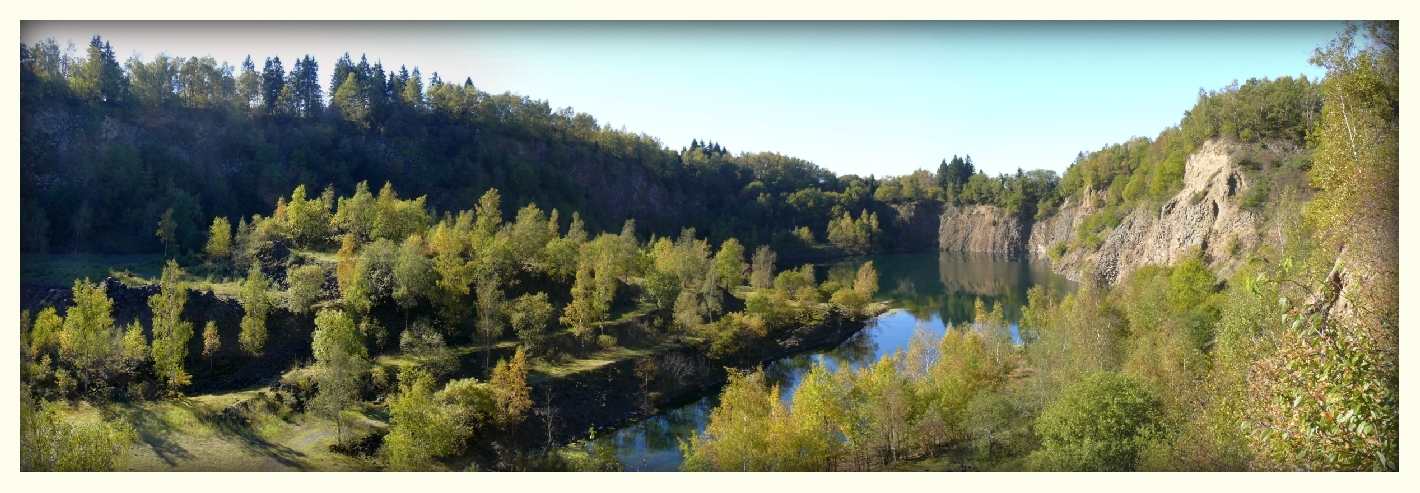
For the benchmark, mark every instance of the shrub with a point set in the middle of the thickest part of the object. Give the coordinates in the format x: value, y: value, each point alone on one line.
x: 1190, y: 284
x: 1058, y: 250
x: 51, y: 442
x: 305, y: 282
x: 1099, y: 423
x: 1256, y: 197
x: 991, y: 424
x: 606, y: 341
x: 427, y: 346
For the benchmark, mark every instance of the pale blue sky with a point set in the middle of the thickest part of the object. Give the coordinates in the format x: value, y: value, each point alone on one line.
x: 854, y: 97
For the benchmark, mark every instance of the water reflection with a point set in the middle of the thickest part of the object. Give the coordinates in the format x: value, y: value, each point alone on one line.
x: 950, y: 290
x: 653, y: 444
x: 923, y: 297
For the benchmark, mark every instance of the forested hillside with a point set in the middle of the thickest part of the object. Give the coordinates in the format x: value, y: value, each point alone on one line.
x: 429, y: 275
x: 107, y: 147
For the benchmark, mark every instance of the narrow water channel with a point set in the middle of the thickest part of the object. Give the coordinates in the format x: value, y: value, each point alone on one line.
x: 926, y: 291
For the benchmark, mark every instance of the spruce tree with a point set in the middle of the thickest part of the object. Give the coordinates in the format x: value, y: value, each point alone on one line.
x: 273, y: 79
x: 343, y: 68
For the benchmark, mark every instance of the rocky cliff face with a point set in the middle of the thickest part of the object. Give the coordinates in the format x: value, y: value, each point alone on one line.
x: 1205, y: 214
x: 981, y: 228
x: 1060, y: 226
x: 630, y: 193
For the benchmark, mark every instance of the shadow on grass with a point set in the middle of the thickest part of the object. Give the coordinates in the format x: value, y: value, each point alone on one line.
x: 156, y: 432
x: 242, y: 434
x: 152, y: 430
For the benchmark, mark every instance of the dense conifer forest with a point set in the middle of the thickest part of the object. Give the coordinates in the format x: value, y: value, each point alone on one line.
x: 411, y: 258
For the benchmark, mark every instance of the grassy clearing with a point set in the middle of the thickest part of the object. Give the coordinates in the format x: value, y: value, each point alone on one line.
x: 186, y: 435
x: 133, y: 270
x: 227, y: 288
x: 319, y: 256
x: 543, y: 370
x: 462, y: 352
x: 63, y: 269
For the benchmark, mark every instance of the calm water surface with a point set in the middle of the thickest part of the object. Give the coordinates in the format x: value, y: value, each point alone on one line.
x: 925, y: 290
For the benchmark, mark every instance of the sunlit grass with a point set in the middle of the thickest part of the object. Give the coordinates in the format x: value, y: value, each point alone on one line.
x: 188, y: 433
x: 543, y: 370
x: 185, y: 434
x: 319, y: 256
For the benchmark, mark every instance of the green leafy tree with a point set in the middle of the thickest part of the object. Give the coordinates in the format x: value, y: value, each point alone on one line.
x: 374, y: 279
x: 211, y: 342
x: 1099, y: 423
x: 990, y: 419
x: 858, y: 236
x: 349, y: 102
x: 219, y: 239
x: 454, y: 271
x: 561, y: 252
x: 1190, y: 284
x: 307, y: 220
x: 170, y: 332
x: 45, y: 333
x: 818, y: 418
x: 739, y: 436
x: 153, y: 83
x: 659, y: 291
x: 396, y: 219
x: 340, y: 355
x: 335, y: 331
x: 529, y: 317
x: 866, y: 282
x: 511, y: 391
x: 851, y: 301
x: 305, y: 287
x: 585, y: 309
x: 528, y: 238
x: 356, y: 214
x: 688, y: 313
x: 421, y: 431
x: 98, y: 77
x: 414, y: 275
x: 88, y: 337
x: 248, y: 85
x: 730, y: 264
x: 421, y: 341
x: 167, y: 230
x: 133, y: 351
x: 256, y: 302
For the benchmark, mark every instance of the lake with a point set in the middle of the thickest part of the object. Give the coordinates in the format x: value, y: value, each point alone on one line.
x: 925, y: 291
